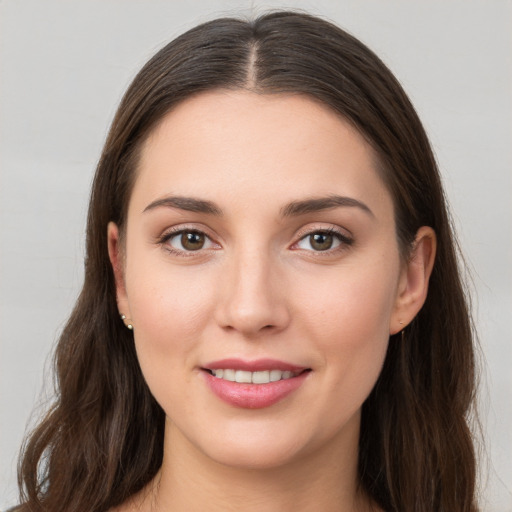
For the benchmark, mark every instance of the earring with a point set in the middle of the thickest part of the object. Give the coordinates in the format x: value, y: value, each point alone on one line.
x: 402, y: 332
x: 127, y: 322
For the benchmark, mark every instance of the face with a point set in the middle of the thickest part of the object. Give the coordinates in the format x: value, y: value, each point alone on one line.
x: 261, y: 273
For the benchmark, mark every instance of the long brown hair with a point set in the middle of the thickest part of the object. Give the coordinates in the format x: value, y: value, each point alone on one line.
x: 102, y: 440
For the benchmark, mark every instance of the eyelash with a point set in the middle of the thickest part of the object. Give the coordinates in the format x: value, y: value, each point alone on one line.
x: 344, y: 241
x: 174, y: 232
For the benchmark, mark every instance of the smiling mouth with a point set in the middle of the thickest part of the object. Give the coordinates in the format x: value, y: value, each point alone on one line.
x: 257, y: 377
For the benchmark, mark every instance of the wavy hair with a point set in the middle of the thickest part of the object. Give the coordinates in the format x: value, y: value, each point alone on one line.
x: 102, y: 440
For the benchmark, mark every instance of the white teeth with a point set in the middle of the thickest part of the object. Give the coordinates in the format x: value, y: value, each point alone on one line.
x: 229, y: 375
x: 260, y: 377
x: 243, y: 376
x: 275, y: 375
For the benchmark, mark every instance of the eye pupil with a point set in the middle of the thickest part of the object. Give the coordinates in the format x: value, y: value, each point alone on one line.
x: 192, y: 241
x: 321, y: 241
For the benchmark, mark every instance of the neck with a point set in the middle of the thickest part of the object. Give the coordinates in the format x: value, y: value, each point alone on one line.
x: 324, y: 480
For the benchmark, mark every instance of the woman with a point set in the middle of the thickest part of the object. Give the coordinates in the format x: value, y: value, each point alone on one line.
x: 272, y: 316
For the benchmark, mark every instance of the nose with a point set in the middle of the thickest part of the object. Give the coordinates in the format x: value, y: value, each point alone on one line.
x: 253, y: 297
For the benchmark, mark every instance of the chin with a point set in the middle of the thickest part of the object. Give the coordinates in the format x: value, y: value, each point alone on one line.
x: 266, y: 445
x: 253, y: 456
x: 244, y: 444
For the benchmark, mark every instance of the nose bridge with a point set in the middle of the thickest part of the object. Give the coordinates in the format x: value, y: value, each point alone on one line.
x: 251, y: 300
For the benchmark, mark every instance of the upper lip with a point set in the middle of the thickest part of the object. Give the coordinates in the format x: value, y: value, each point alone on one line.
x: 253, y: 366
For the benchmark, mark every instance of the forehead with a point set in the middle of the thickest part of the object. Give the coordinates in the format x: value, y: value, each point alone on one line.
x: 224, y: 145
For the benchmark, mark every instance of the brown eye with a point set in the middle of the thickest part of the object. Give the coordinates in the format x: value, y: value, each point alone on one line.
x: 321, y: 241
x: 192, y: 241
x: 184, y: 241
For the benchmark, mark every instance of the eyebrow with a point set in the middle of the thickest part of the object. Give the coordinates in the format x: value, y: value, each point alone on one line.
x: 296, y: 208
x: 189, y: 204
x: 293, y: 209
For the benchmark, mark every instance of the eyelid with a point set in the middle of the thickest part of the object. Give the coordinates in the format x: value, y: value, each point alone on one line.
x: 342, y: 234
x: 325, y: 228
x: 174, y: 231
x: 345, y: 238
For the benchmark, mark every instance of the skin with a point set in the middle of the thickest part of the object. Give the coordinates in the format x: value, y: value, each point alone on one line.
x: 259, y: 289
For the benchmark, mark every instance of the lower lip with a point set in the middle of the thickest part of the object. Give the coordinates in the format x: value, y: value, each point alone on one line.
x: 253, y: 396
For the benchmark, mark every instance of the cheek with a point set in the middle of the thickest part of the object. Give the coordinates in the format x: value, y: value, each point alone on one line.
x: 354, y: 306
x: 349, y: 323
x: 170, y: 312
x: 170, y: 309
x: 349, y: 326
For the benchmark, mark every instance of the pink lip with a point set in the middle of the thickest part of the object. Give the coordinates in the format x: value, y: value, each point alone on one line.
x: 253, y: 396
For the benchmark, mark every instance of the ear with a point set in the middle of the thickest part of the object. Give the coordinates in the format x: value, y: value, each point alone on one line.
x: 414, y: 278
x: 115, y: 254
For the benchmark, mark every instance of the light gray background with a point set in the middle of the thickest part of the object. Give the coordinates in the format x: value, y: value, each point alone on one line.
x: 64, y: 66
